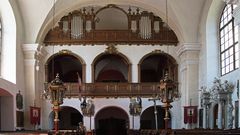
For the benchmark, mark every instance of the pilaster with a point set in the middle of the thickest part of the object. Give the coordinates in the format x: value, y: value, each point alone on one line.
x: 29, y: 51
x: 189, y: 74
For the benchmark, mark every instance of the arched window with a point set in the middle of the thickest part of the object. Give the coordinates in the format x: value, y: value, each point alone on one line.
x: 229, y: 48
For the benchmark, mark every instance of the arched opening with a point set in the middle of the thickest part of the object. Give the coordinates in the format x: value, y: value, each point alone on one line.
x: 111, y: 68
x: 7, y: 112
x: 153, y: 67
x: 68, y: 118
x: 67, y: 65
x: 147, y: 119
x: 111, y: 121
x: 215, y: 116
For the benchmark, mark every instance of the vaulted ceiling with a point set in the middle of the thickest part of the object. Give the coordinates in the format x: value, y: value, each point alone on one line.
x: 184, y: 15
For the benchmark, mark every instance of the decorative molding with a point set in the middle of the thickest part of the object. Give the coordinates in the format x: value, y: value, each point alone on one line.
x: 30, y: 50
x: 188, y: 47
x: 157, y: 51
x: 30, y: 47
x: 80, y: 27
x: 65, y: 51
x: 111, y: 49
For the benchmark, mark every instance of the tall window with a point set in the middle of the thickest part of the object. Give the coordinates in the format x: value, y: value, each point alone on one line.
x: 229, y: 48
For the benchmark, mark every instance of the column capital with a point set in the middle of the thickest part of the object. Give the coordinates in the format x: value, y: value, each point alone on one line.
x: 30, y: 47
x: 184, y: 47
x: 29, y: 50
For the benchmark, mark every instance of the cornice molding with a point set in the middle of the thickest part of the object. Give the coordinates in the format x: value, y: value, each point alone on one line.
x: 29, y: 47
x: 188, y: 47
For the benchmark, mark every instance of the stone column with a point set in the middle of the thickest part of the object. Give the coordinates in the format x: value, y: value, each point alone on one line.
x: 188, y: 76
x: 30, y: 72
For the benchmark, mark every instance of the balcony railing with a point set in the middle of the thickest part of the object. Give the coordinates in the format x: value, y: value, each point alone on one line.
x: 112, y: 89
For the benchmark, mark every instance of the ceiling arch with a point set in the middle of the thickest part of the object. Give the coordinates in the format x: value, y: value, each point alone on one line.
x: 64, y: 7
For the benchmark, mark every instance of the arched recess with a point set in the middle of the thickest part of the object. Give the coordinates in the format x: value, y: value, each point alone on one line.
x: 215, y: 116
x: 147, y: 118
x: 111, y: 13
x: 153, y: 66
x: 69, y: 118
x: 159, y: 10
x: 67, y: 64
x: 111, y: 121
x: 107, y: 63
x: 7, y: 111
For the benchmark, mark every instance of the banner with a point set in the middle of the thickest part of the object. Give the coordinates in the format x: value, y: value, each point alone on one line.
x: 35, y: 115
x: 190, y: 114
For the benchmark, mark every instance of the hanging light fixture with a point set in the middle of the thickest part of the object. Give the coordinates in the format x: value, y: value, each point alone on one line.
x: 55, y: 91
x: 168, y: 94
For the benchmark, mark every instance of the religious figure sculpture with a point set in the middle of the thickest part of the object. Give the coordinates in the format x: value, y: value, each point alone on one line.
x: 19, y: 100
x: 87, y: 107
x: 135, y: 106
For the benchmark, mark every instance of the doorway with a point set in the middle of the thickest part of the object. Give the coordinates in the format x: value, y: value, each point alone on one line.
x: 111, y: 121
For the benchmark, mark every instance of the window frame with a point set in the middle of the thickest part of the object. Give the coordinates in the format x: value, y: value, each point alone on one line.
x: 226, y: 35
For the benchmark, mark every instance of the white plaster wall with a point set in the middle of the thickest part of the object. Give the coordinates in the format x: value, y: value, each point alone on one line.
x: 101, y: 103
x: 88, y: 54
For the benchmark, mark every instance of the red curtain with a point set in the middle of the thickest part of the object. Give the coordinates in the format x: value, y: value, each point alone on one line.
x: 190, y: 114
x: 35, y: 115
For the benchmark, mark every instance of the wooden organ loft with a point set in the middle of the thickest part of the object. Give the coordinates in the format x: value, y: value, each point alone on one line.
x: 111, y: 25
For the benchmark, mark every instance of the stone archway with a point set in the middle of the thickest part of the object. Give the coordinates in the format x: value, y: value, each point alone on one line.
x: 69, y: 118
x: 147, y: 119
x: 111, y: 121
x: 153, y: 67
x: 67, y: 64
x: 111, y: 68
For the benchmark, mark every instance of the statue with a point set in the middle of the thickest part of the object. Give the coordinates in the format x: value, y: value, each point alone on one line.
x: 135, y: 106
x: 81, y: 129
x: 87, y: 107
x: 19, y: 100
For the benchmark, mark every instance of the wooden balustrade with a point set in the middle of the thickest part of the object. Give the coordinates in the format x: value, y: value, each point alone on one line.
x: 112, y: 89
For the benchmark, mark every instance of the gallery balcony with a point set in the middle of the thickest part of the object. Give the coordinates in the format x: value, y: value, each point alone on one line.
x: 112, y: 89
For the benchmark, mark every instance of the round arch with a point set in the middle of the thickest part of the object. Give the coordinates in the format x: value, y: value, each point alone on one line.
x: 171, y: 64
x: 112, y: 120
x: 147, y: 118
x: 159, y: 11
x: 69, y: 118
x: 66, y: 53
x: 120, y: 56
